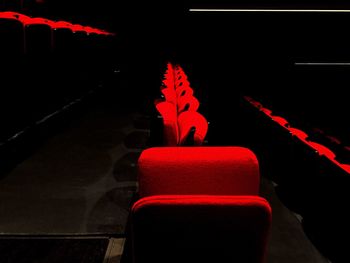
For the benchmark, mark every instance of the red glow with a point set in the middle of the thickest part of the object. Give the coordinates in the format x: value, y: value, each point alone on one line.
x: 198, y: 170
x: 191, y: 119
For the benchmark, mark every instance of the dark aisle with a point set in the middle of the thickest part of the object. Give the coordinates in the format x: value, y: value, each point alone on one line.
x: 80, y: 181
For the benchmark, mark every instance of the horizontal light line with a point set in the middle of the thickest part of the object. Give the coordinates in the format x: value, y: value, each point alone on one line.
x: 272, y: 10
x: 322, y: 63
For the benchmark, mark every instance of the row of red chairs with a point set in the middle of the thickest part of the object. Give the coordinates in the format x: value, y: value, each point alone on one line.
x: 21, y: 34
x: 26, y: 21
x: 199, y: 204
x: 311, y: 181
x: 301, y: 135
x: 182, y: 124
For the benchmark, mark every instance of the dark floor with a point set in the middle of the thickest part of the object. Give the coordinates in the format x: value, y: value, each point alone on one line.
x: 82, y: 180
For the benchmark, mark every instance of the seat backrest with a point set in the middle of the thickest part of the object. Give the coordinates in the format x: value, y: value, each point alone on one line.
x: 189, y: 120
x: 187, y: 103
x: 168, y: 112
x: 198, y: 170
x: 200, y: 229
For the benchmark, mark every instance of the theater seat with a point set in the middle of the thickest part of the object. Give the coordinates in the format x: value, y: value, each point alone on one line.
x: 175, y: 228
x: 168, y: 113
x: 322, y: 150
x: 189, y: 121
x: 199, y: 204
x: 184, y: 91
x: 187, y: 103
x: 169, y: 95
x: 198, y: 170
x: 281, y: 121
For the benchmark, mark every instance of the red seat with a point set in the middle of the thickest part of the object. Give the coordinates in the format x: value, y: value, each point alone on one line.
x: 198, y: 170
x: 200, y: 229
x: 170, y: 129
x: 281, y: 121
x: 187, y: 103
x: 184, y: 91
x: 199, y: 204
x: 189, y: 120
x: 169, y: 95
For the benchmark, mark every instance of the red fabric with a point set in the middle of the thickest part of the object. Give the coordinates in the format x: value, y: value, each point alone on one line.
x: 281, y: 121
x: 9, y: 15
x: 299, y: 133
x: 322, y: 150
x: 169, y: 95
x: 37, y: 21
x: 189, y: 102
x: 200, y: 229
x: 191, y: 119
x: 345, y: 167
x: 267, y: 111
x: 77, y: 28
x: 62, y: 24
x: 169, y: 114
x: 198, y: 170
x: 182, y: 83
x: 184, y: 91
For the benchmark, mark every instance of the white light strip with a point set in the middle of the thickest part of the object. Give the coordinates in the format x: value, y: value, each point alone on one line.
x: 272, y: 10
x: 322, y: 64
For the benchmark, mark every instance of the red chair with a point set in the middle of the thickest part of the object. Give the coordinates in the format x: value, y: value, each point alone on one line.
x: 199, y: 204
x: 192, y: 122
x: 187, y: 103
x: 169, y: 95
x: 200, y: 229
x: 184, y: 91
x: 198, y: 170
x: 168, y: 113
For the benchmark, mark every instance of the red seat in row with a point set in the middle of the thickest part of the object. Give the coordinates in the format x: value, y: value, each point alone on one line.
x: 182, y: 124
x: 199, y: 204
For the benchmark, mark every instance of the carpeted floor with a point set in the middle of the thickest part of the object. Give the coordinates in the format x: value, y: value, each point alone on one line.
x: 57, y: 250
x: 80, y: 181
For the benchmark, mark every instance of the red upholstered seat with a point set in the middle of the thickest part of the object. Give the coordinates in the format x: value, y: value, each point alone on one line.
x: 299, y: 133
x: 189, y: 120
x: 281, y: 121
x: 168, y: 112
x: 267, y: 111
x: 188, y: 103
x: 198, y: 170
x: 322, y: 150
x: 184, y: 91
x: 182, y: 83
x: 200, y: 229
x: 170, y: 95
x: 199, y: 204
